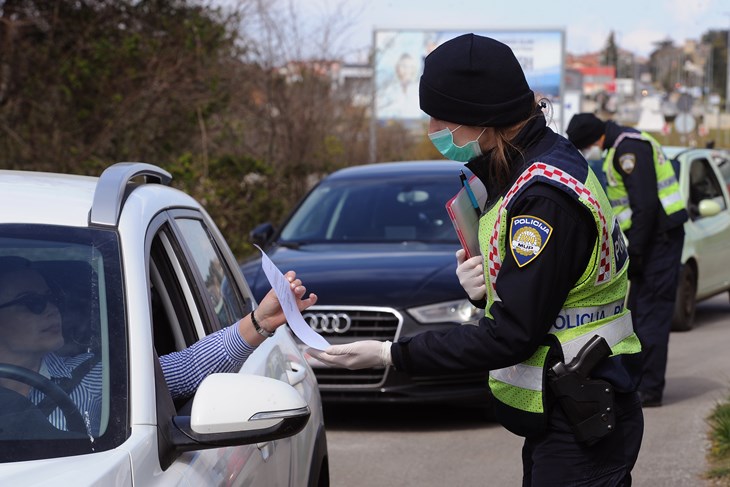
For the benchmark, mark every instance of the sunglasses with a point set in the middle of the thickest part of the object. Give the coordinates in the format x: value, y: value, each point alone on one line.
x: 34, y: 302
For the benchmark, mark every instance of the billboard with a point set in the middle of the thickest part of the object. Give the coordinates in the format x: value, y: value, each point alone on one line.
x: 399, y: 56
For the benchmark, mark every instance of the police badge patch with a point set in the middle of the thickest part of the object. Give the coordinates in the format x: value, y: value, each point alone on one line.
x: 528, y: 236
x: 627, y: 162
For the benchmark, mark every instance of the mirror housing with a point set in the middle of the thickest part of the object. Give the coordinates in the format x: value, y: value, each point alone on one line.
x: 261, y: 234
x: 238, y: 409
x: 709, y: 208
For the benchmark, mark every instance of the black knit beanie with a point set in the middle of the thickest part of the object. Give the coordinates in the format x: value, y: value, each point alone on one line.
x: 584, y: 129
x: 476, y: 81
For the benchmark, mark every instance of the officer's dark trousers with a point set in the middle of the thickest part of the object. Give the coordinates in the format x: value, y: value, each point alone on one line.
x: 555, y: 459
x: 651, y: 301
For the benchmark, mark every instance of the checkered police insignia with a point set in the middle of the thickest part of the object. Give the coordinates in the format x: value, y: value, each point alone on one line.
x: 528, y: 236
x: 627, y: 162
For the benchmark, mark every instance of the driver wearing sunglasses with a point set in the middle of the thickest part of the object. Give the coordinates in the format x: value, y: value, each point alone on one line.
x: 31, y: 334
x: 35, y: 303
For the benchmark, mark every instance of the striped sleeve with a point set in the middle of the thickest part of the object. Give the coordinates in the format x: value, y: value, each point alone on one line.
x: 222, y: 351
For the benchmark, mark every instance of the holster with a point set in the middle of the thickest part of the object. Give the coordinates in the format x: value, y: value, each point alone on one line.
x: 588, y: 403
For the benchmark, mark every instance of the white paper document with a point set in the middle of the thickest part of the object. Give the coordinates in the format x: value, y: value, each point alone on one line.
x: 286, y: 296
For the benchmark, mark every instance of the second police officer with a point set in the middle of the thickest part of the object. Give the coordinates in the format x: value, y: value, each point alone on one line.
x: 558, y: 342
x: 644, y: 193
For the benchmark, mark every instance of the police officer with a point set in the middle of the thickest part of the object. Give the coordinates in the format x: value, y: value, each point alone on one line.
x: 551, y: 277
x: 645, y: 196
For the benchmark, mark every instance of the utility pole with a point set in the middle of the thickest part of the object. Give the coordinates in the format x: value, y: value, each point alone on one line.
x: 727, y: 80
x: 727, y: 77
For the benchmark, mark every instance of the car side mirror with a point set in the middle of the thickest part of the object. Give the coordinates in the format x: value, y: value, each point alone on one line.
x: 238, y: 409
x: 261, y: 234
x: 709, y: 208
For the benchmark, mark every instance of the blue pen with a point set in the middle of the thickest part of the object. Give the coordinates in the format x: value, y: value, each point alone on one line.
x: 470, y: 193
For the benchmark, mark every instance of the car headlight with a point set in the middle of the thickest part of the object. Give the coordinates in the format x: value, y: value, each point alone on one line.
x: 460, y: 311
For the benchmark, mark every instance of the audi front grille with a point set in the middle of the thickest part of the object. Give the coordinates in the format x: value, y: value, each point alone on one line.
x: 341, y: 324
x: 354, y: 323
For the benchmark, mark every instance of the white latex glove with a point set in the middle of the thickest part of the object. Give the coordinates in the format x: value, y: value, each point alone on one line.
x: 471, y: 275
x: 356, y: 355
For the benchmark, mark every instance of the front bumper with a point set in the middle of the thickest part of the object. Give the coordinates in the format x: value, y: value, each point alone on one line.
x: 395, y: 386
x: 462, y: 390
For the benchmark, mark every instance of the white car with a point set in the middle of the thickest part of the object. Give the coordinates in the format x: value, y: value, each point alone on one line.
x: 705, y: 271
x: 138, y: 270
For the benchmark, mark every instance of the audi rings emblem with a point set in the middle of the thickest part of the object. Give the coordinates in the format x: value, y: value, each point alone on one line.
x: 328, y: 322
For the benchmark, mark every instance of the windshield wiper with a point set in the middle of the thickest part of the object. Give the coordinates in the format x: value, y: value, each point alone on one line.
x: 289, y: 245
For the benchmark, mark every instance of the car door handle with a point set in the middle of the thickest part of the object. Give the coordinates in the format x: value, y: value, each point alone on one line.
x: 297, y: 373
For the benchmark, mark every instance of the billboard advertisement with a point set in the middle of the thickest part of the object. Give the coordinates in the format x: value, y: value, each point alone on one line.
x: 399, y: 56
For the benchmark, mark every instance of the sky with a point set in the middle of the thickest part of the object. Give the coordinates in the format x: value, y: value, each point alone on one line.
x: 637, y: 24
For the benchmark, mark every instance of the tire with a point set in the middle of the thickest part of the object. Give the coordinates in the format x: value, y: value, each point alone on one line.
x: 319, y: 471
x: 686, y: 302
x: 485, y: 412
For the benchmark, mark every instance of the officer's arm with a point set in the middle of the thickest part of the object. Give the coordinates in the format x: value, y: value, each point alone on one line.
x: 635, y: 161
x: 531, y: 293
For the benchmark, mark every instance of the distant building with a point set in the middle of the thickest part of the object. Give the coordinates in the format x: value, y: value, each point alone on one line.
x: 356, y: 80
x: 353, y: 81
x: 598, y: 79
x: 595, y: 77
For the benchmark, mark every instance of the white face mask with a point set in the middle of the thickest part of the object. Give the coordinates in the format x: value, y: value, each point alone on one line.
x: 592, y: 153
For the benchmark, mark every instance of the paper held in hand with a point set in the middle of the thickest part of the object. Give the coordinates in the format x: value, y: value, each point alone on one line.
x: 464, y: 210
x: 286, y: 296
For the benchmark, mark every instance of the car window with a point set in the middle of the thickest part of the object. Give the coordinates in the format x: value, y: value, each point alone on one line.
x: 63, y: 347
x: 703, y: 185
x: 176, y: 319
x: 219, y: 283
x: 723, y: 163
x: 373, y: 211
x: 190, y: 291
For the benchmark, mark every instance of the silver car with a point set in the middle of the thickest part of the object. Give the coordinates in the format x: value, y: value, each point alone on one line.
x: 705, y: 271
x: 137, y: 269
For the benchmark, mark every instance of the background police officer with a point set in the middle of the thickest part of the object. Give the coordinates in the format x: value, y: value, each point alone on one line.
x: 645, y: 195
x: 544, y: 204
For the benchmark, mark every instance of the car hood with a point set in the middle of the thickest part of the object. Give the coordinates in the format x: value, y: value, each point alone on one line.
x: 104, y: 468
x: 396, y: 275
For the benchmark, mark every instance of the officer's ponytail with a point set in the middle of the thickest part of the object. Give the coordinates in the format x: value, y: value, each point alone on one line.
x: 505, y: 154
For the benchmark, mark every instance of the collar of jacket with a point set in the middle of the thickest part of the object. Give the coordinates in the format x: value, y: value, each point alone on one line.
x: 531, y: 141
x: 613, y: 130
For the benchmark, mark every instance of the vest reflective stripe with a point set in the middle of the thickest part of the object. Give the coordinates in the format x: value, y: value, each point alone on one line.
x: 670, y: 199
x: 592, y: 313
x: 620, y: 201
x: 667, y: 184
x: 520, y: 375
x: 624, y: 216
x: 530, y: 376
x: 614, y: 332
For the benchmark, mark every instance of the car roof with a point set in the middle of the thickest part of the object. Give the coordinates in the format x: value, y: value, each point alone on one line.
x: 683, y: 154
x: 81, y: 201
x: 402, y: 169
x: 40, y: 197
x: 671, y: 151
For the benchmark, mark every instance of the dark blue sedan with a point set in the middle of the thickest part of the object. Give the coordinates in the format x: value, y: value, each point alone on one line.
x: 376, y: 244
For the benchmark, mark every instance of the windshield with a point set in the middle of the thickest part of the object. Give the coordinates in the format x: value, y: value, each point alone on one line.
x: 62, y: 342
x: 374, y: 211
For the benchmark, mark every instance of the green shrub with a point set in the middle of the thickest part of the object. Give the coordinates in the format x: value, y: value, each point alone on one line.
x: 720, y: 434
x: 719, y: 457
